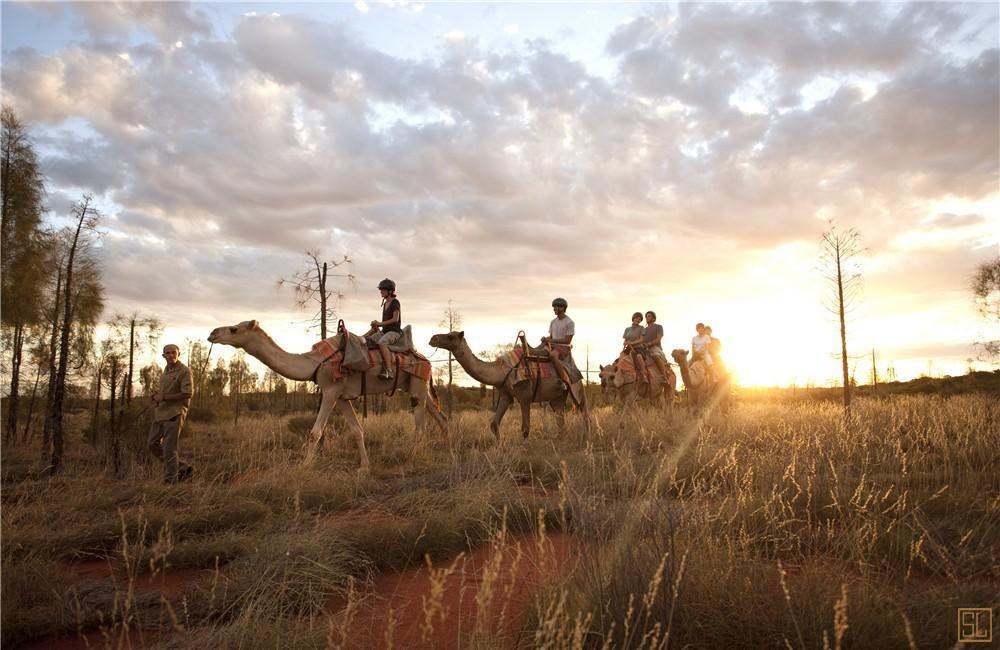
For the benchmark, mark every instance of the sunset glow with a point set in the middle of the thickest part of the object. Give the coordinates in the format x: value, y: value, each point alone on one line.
x: 637, y: 157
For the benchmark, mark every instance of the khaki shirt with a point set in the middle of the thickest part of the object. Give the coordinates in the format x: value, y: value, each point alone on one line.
x: 174, y: 380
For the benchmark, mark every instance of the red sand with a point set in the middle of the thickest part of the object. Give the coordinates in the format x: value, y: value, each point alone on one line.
x: 398, y: 604
x: 170, y: 585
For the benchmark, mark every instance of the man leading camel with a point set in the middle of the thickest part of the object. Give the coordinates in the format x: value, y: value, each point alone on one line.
x: 172, y: 401
x: 561, y: 332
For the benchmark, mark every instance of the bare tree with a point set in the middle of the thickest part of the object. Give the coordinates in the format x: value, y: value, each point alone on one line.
x: 312, y: 287
x: 107, y: 365
x: 241, y: 381
x: 840, y: 256
x: 142, y: 332
x: 452, y: 320
x: 986, y: 294
x: 86, y: 221
x: 149, y: 378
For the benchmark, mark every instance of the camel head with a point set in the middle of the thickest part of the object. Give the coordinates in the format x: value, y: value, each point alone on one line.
x: 680, y: 356
x: 607, y: 375
x: 450, y: 341
x: 235, y: 335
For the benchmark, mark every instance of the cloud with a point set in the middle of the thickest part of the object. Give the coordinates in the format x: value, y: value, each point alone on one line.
x: 167, y: 21
x: 951, y: 220
x: 513, y: 172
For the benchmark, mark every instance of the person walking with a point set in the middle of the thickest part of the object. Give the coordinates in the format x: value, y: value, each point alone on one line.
x: 171, y: 403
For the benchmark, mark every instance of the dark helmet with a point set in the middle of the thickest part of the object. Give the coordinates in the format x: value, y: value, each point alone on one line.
x: 560, y: 302
x: 387, y: 284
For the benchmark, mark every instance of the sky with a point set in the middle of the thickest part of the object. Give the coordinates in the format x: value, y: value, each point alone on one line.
x: 682, y: 158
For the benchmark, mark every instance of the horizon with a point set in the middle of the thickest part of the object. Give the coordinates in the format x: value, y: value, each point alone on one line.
x: 664, y: 157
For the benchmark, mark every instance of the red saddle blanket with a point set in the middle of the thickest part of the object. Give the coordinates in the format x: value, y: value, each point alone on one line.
x: 626, y: 366
x: 530, y: 369
x: 411, y: 364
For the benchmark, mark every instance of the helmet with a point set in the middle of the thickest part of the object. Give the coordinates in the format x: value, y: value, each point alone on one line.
x: 387, y: 284
x: 560, y: 302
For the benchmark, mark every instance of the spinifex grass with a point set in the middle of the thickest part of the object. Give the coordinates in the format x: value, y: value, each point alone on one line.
x: 773, y: 523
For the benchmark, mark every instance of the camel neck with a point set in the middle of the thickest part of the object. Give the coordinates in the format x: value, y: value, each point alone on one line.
x: 298, y: 367
x: 491, y: 373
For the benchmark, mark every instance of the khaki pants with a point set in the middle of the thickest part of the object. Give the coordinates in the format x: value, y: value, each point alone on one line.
x: 162, y: 443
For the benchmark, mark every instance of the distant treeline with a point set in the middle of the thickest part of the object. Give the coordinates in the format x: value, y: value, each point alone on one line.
x: 975, y: 382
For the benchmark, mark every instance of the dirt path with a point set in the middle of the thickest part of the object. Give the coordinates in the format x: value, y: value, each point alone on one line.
x: 113, y: 577
x: 484, y: 594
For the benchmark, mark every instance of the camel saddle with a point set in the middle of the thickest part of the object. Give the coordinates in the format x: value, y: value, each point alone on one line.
x: 405, y: 356
x: 403, y: 345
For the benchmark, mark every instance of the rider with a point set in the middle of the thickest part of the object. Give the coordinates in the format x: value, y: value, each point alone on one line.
x: 391, y: 326
x: 699, y: 346
x: 651, y: 341
x: 561, y: 331
x: 715, y: 354
x: 633, y: 343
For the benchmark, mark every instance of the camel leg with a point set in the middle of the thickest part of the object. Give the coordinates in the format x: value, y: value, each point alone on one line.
x: 502, y: 405
x: 525, y: 416
x: 436, y: 415
x: 559, y: 410
x: 316, y: 433
x: 585, y: 410
x: 354, y: 425
x: 630, y: 395
x: 420, y: 390
x: 419, y: 414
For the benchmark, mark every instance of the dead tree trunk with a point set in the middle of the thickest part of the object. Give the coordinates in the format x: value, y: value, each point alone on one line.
x: 31, y: 405
x: 50, y: 386
x: 131, y: 360
x: 95, y: 422
x: 59, y: 393
x: 15, y: 384
x: 113, y: 447
x: 843, y: 332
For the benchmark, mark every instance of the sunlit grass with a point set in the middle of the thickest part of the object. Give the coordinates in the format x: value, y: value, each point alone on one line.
x: 773, y: 522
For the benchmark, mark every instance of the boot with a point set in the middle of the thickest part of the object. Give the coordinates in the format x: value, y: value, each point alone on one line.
x: 386, y: 372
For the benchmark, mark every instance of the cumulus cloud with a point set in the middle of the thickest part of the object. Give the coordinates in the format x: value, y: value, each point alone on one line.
x: 518, y: 169
x: 167, y: 21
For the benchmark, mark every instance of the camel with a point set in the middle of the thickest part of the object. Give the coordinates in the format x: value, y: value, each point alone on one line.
x: 629, y: 390
x: 697, y: 377
x: 499, y: 374
x: 607, y: 376
x: 307, y: 367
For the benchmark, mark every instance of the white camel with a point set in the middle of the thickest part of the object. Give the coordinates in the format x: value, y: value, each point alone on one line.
x: 311, y: 366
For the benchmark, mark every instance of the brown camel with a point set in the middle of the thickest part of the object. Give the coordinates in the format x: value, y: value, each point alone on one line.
x: 697, y: 377
x: 310, y: 366
x: 620, y: 378
x: 499, y: 374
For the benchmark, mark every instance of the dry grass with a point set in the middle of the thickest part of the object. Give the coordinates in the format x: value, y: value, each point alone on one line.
x: 775, y: 523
